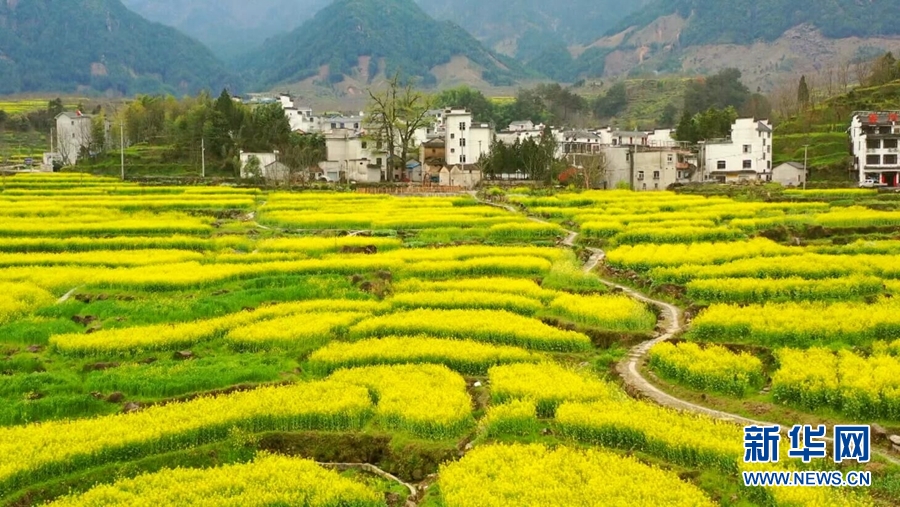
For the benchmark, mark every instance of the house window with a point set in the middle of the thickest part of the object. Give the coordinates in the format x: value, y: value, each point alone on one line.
x: 334, y: 125
x: 748, y: 164
x: 364, y: 144
x: 378, y: 145
x: 462, y: 125
x: 73, y: 123
x: 356, y: 125
x: 769, y: 164
x: 670, y: 158
x: 769, y: 148
x: 873, y: 144
x: 655, y: 175
x: 342, y: 125
x: 890, y: 143
x: 462, y: 159
x: 640, y: 175
x: 462, y: 141
x: 656, y: 186
x: 746, y: 148
x: 378, y: 161
x: 720, y: 165
x: 452, y: 136
x: 452, y: 150
x: 644, y: 186
x: 628, y: 157
x: 873, y: 159
x: 890, y: 160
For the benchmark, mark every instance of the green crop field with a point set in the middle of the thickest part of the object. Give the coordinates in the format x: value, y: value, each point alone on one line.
x: 214, y: 345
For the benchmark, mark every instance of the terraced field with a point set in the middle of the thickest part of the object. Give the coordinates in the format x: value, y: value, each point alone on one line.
x: 227, y: 346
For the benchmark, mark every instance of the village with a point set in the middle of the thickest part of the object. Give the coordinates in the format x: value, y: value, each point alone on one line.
x: 449, y: 150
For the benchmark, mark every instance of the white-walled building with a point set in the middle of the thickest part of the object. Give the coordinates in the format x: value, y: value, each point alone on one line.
x: 352, y: 157
x: 300, y: 117
x: 789, y: 174
x: 745, y: 156
x: 581, y: 141
x: 264, y: 160
x: 464, y: 141
x: 630, y: 138
x: 74, y: 134
x: 875, y: 141
x: 662, y: 138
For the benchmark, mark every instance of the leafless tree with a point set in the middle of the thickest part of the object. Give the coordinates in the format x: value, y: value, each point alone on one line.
x: 591, y: 167
x: 392, y: 119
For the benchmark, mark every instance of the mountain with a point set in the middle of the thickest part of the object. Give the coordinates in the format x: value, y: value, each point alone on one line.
x: 229, y: 27
x: 768, y: 40
x: 360, y: 40
x: 99, y: 45
x: 501, y: 25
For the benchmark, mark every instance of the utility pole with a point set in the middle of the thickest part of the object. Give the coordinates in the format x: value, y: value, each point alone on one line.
x: 122, y: 147
x: 805, y: 160
x: 202, y: 157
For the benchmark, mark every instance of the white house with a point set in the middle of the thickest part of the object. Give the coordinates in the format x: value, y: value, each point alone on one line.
x: 630, y: 138
x: 262, y: 160
x: 524, y: 126
x: 73, y: 135
x: 464, y: 141
x: 789, y: 174
x: 745, y: 156
x: 874, y: 136
x: 581, y: 141
x: 352, y: 157
x: 662, y: 138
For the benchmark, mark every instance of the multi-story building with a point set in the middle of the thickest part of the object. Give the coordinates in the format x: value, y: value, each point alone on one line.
x: 352, y: 157
x: 74, y: 135
x: 464, y: 141
x: 745, y: 156
x: 875, y: 141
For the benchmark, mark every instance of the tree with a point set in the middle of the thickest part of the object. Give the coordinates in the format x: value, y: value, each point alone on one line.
x: 803, y: 93
x: 613, y: 103
x: 300, y: 154
x: 668, y: 117
x: 757, y: 106
x: 686, y: 130
x: 591, y: 169
x: 720, y: 91
x: 467, y: 98
x: 883, y: 70
x: 392, y: 119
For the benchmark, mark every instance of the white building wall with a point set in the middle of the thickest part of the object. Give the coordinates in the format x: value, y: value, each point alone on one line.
x: 748, y: 151
x: 72, y: 134
x: 350, y: 154
x: 465, y: 142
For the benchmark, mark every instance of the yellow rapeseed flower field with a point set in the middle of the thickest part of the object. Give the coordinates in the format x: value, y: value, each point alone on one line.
x: 55, y: 448
x: 427, y: 400
x: 536, y: 476
x: 268, y: 480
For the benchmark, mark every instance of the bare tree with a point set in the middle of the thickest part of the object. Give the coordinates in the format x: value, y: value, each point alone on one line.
x: 862, y: 70
x: 394, y: 116
x: 592, y: 168
x: 843, y: 75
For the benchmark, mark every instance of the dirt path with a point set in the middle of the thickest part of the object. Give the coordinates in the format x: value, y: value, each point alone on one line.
x: 672, y: 324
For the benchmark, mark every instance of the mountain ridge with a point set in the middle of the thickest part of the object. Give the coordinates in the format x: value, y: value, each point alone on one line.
x: 384, y: 36
x: 99, y: 45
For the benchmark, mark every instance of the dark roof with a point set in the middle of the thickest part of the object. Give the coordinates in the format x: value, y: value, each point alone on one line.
x: 795, y: 165
x: 626, y: 133
x: 412, y: 164
x: 883, y: 117
x: 762, y: 127
x: 437, y: 142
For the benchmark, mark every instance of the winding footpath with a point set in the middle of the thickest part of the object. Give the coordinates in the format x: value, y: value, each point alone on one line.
x: 672, y: 325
